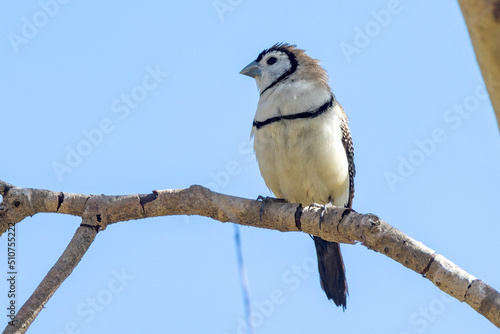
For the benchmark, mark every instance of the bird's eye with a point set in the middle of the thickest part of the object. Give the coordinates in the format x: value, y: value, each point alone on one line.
x: 271, y: 60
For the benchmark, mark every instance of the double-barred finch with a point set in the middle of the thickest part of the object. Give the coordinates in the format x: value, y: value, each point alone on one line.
x: 303, y: 144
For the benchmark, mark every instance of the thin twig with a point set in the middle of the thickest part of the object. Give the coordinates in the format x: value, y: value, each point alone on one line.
x: 243, y: 279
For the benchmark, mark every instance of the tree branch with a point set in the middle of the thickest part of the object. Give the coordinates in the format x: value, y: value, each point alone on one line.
x: 483, y: 22
x: 339, y: 224
x: 77, y: 247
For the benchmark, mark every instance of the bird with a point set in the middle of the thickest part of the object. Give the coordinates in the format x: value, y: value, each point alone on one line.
x: 303, y: 145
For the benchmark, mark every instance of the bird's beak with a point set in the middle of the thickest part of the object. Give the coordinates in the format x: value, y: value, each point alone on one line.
x: 252, y: 69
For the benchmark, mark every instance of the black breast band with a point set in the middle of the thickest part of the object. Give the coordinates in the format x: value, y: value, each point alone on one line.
x: 306, y: 114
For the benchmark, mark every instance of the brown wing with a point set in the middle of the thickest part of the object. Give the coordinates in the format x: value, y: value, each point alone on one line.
x: 349, y: 150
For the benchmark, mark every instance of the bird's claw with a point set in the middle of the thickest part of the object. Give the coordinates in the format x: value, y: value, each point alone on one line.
x: 261, y: 211
x: 267, y: 199
x: 322, y: 213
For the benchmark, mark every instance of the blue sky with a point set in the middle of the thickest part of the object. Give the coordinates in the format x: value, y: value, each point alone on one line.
x: 128, y: 97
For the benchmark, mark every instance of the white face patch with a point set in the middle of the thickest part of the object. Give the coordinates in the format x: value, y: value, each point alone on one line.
x: 272, y: 65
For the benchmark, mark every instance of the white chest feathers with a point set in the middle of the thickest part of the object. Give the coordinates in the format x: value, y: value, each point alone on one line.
x: 303, y: 160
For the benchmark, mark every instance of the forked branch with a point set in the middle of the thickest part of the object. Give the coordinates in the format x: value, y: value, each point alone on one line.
x: 339, y: 224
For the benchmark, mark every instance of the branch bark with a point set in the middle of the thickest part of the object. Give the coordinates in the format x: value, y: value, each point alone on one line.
x: 339, y: 225
x: 483, y: 22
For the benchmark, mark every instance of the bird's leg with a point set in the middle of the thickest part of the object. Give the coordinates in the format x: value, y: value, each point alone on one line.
x: 265, y: 200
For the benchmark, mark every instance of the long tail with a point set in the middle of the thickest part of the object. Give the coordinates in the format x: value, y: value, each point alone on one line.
x: 331, y: 271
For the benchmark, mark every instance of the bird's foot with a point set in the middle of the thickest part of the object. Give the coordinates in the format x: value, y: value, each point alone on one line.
x: 322, y: 207
x: 265, y: 200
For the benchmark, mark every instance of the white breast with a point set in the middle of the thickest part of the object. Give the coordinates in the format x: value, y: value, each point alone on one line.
x: 302, y: 160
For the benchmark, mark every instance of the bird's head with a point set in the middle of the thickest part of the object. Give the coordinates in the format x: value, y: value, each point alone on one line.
x: 282, y: 62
